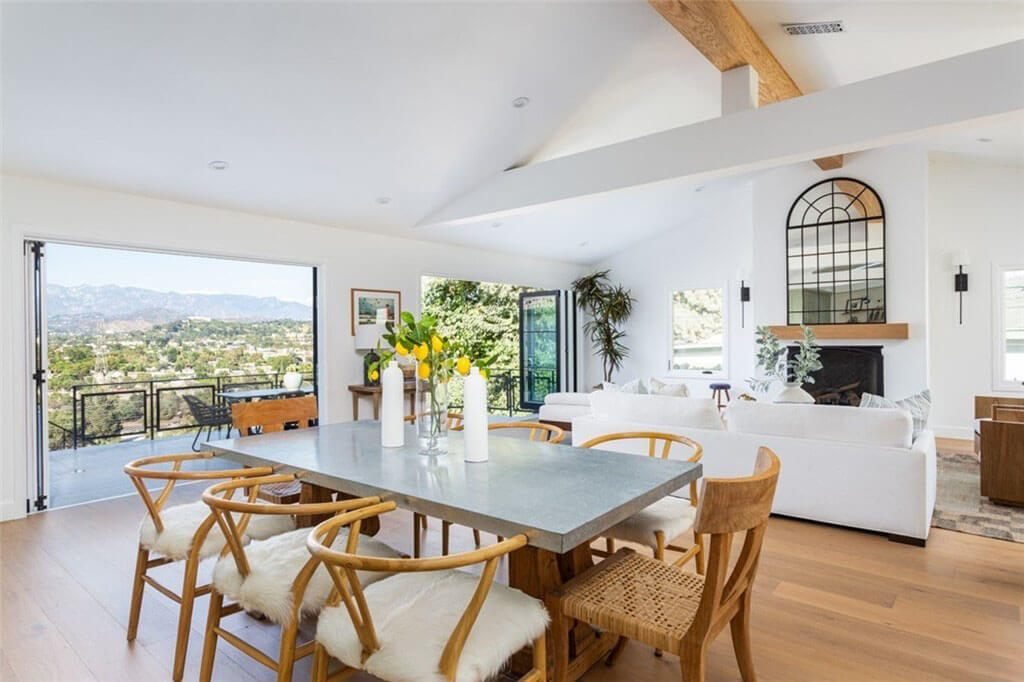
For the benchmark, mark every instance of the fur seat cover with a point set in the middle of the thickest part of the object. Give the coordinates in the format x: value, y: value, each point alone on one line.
x: 180, y: 525
x: 274, y: 565
x: 415, y: 613
x: 671, y: 515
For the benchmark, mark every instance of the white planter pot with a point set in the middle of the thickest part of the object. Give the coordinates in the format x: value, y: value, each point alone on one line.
x: 792, y: 393
x: 292, y: 380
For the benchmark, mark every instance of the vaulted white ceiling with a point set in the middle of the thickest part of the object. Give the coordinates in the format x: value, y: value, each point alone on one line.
x: 322, y: 108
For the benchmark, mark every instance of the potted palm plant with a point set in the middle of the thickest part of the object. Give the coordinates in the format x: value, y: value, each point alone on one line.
x: 607, y: 307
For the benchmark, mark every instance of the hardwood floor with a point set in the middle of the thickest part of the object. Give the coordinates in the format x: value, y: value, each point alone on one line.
x: 829, y: 604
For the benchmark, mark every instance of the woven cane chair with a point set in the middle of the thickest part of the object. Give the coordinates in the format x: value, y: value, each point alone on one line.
x: 544, y: 433
x: 427, y: 621
x: 182, y: 532
x: 666, y: 519
x: 275, y: 577
x: 640, y: 598
x: 268, y: 416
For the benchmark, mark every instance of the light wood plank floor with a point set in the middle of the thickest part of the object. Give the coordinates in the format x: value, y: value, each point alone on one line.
x: 830, y: 604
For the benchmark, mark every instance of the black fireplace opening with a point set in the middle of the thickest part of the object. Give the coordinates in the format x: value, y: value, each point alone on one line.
x: 847, y: 373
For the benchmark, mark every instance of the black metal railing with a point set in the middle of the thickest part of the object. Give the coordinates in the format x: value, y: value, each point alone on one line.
x: 503, y: 390
x: 60, y: 437
x: 150, y: 407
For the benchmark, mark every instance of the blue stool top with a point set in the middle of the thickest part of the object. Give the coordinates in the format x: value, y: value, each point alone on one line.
x: 720, y: 387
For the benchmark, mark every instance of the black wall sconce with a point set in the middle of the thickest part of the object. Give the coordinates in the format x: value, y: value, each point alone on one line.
x: 744, y: 297
x: 960, y: 259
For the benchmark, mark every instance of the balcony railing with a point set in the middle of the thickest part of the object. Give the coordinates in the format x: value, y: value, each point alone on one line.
x: 153, y: 407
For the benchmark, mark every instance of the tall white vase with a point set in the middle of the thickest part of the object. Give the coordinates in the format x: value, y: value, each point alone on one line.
x: 392, y: 426
x: 793, y: 393
x: 474, y: 417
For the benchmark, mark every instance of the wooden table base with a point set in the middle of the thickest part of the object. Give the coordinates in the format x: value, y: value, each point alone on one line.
x: 315, y: 493
x: 537, y: 572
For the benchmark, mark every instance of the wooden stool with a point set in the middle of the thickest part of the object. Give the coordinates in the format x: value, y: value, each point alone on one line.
x: 716, y: 394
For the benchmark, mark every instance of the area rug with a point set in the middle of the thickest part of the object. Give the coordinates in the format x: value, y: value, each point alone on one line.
x: 959, y: 505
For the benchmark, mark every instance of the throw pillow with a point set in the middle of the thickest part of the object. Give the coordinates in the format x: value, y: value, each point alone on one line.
x: 656, y: 387
x: 636, y: 386
x: 918, y: 405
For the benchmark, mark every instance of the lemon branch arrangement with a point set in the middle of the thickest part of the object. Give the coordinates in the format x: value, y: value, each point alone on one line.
x: 437, y: 358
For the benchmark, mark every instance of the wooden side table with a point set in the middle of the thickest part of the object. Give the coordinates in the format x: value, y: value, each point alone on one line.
x: 373, y: 392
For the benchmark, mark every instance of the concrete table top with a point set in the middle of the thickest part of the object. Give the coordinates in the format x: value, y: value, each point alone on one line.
x: 558, y: 495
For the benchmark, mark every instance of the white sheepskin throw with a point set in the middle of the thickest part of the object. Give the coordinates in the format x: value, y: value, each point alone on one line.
x: 274, y: 564
x: 415, y: 613
x: 671, y: 515
x: 182, y: 521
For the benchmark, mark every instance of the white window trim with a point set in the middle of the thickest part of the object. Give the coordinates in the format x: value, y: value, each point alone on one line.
x: 998, y: 320
x: 692, y: 374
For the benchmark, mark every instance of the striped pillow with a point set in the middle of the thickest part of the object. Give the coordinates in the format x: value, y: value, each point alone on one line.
x: 918, y: 405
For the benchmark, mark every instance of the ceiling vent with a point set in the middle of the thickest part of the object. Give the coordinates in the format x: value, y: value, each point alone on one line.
x: 813, y: 28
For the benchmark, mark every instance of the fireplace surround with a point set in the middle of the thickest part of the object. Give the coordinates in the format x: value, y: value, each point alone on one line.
x: 847, y: 372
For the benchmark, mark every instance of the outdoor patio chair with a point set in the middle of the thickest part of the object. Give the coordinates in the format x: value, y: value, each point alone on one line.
x: 208, y: 416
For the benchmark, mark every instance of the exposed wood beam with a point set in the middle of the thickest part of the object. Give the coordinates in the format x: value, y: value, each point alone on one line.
x: 723, y: 35
x: 891, y: 109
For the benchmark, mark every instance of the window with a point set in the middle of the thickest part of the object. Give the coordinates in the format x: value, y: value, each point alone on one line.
x: 835, y: 255
x: 698, y: 332
x: 1009, y: 356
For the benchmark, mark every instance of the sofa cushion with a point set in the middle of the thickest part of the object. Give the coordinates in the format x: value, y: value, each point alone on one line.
x: 700, y: 413
x: 885, y: 427
x: 657, y: 387
x: 636, y: 386
x: 562, y: 413
x: 567, y: 398
x: 918, y: 405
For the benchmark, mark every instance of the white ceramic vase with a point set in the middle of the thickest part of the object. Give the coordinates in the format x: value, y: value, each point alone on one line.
x: 392, y: 424
x: 793, y: 393
x: 292, y: 380
x: 474, y: 417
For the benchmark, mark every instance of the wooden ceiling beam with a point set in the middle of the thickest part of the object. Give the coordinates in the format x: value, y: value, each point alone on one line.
x: 723, y: 35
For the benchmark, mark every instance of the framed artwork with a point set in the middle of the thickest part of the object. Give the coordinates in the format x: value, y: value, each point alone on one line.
x: 371, y: 310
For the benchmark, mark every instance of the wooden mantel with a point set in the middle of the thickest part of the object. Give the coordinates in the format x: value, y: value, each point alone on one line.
x: 852, y: 332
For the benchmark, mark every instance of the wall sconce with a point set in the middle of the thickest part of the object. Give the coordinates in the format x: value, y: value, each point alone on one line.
x: 959, y: 260
x: 744, y: 296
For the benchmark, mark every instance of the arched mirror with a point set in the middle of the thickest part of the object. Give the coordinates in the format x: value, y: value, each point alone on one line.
x: 835, y: 251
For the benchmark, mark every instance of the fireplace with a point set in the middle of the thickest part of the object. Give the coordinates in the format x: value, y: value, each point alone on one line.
x: 847, y: 372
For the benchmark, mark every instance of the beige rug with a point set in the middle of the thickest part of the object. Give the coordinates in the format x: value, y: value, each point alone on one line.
x: 959, y: 505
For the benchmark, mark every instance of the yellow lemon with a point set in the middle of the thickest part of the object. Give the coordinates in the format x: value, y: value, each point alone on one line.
x: 400, y: 349
x: 462, y: 366
x: 374, y: 375
x: 424, y: 371
x: 437, y: 343
x: 483, y: 373
x: 421, y: 351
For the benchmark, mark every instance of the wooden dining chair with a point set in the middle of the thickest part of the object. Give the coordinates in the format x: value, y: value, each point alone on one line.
x: 275, y: 577
x: 181, y: 532
x: 428, y: 620
x: 636, y: 597
x: 269, y: 416
x: 544, y: 433
x: 419, y: 521
x: 668, y: 518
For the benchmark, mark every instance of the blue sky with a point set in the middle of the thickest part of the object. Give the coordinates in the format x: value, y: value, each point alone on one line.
x: 74, y: 265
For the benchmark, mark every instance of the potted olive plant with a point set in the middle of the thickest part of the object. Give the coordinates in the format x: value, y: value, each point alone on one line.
x: 771, y: 360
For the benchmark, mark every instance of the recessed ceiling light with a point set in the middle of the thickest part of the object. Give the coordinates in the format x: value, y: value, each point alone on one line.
x: 496, y: 224
x: 984, y: 139
x: 698, y: 188
x: 584, y: 243
x: 218, y: 165
x: 520, y: 102
x: 383, y: 200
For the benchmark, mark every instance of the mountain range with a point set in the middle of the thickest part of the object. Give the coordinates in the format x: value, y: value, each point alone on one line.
x: 90, y: 309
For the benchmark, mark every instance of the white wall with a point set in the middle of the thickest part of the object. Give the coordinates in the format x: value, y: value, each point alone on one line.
x: 977, y: 207
x: 746, y: 229
x: 705, y: 252
x: 347, y: 258
x: 900, y: 177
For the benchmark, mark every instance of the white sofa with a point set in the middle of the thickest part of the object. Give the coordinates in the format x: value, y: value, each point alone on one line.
x: 844, y: 465
x: 561, y: 408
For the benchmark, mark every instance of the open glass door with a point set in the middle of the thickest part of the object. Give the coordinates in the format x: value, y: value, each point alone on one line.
x: 35, y: 268
x: 540, y: 338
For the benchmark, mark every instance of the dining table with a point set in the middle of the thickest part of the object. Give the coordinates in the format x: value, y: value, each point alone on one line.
x: 560, y: 497
x: 248, y: 395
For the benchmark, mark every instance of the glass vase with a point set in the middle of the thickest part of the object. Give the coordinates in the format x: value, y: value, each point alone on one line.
x: 432, y: 416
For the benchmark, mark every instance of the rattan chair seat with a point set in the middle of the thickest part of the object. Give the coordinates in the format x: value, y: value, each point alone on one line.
x: 636, y: 596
